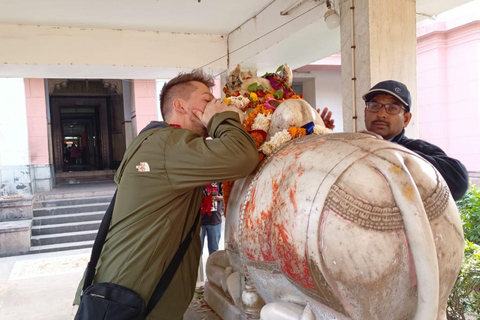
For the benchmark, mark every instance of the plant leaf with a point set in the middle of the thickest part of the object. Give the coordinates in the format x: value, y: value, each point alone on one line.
x: 252, y: 87
x: 278, y: 94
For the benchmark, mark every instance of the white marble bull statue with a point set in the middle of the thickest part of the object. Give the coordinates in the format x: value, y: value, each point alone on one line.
x: 338, y: 226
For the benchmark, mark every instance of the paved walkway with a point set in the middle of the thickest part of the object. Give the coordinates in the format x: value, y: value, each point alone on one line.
x: 42, y: 286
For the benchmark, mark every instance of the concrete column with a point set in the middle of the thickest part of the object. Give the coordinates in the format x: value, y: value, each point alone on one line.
x: 14, y: 151
x: 385, y: 48
x: 15, y: 178
x: 128, y: 106
x: 145, y: 109
x: 40, y: 167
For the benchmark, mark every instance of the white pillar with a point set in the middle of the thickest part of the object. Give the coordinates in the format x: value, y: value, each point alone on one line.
x: 14, y: 151
x: 385, y: 48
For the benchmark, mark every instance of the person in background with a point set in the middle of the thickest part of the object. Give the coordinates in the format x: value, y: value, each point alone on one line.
x: 387, y: 114
x: 211, y: 211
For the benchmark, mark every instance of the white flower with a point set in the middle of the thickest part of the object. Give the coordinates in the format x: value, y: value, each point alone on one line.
x: 262, y: 122
x: 276, y: 141
x: 240, y: 102
x: 321, y: 130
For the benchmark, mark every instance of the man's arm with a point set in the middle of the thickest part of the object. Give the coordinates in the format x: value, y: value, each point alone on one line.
x: 452, y: 170
x: 191, y: 160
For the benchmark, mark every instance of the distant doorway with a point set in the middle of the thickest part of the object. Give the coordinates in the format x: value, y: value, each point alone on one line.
x: 87, y: 128
x: 80, y: 134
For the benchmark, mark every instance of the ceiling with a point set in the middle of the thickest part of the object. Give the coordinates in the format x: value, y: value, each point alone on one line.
x: 205, y: 17
x: 183, y: 16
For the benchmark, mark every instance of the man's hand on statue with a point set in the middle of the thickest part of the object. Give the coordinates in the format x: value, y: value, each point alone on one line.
x: 371, y: 133
x: 327, y: 118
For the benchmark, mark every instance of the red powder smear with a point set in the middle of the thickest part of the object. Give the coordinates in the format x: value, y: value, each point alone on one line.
x: 300, y: 170
x: 289, y: 262
x: 292, y: 197
x: 250, y: 206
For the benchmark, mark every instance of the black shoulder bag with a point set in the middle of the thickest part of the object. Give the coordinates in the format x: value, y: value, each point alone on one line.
x: 110, y: 301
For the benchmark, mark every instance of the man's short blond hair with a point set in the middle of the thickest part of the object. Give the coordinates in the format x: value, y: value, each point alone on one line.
x: 181, y: 87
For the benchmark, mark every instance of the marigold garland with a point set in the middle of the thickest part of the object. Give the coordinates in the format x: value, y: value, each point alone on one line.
x: 297, y: 132
x: 261, y: 100
x: 258, y: 137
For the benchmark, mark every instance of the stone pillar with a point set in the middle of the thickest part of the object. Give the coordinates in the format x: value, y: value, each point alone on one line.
x: 40, y: 167
x: 14, y: 151
x: 385, y: 48
x: 145, y: 109
x: 15, y: 178
x: 128, y: 106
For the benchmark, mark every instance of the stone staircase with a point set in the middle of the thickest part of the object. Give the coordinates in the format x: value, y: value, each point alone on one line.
x: 66, y: 222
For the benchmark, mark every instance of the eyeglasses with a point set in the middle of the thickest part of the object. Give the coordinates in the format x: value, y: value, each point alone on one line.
x: 389, y: 108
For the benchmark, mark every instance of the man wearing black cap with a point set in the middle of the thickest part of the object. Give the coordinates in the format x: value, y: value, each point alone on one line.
x: 387, y: 113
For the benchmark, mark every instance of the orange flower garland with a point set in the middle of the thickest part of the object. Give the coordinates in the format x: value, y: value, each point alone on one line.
x: 259, y: 95
x: 296, y: 132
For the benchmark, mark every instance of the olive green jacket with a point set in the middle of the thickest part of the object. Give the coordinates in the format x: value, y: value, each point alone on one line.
x: 160, y: 190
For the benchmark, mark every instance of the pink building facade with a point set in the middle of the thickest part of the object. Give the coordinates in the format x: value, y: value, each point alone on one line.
x: 448, y: 66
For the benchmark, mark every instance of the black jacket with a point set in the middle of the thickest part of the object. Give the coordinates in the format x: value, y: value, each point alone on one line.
x: 452, y: 170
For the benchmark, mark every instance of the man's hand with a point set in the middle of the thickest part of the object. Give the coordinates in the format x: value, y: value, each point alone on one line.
x: 327, y: 118
x: 373, y: 134
x: 217, y: 198
x: 213, y: 107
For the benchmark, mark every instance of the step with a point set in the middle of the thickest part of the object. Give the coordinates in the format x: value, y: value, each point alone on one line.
x: 65, y: 227
x: 71, y: 202
x: 78, y: 191
x: 62, y: 246
x: 70, y: 209
x: 67, y: 218
x: 63, y: 237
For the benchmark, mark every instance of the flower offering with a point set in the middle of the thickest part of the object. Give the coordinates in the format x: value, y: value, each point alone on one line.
x: 271, y: 118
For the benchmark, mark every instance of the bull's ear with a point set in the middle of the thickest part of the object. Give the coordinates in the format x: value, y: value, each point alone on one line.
x: 287, y: 73
x: 234, y: 80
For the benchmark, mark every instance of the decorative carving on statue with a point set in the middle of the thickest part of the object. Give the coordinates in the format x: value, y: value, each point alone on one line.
x: 365, y: 214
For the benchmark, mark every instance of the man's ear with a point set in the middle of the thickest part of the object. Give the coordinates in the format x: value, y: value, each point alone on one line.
x: 406, y: 119
x: 178, y: 106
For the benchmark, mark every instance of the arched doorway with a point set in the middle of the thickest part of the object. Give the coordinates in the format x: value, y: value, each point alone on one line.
x: 88, y: 136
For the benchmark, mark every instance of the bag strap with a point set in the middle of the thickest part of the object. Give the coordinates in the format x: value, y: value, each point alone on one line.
x: 167, y: 276
x: 172, y: 268
x: 98, y: 244
x: 107, y: 218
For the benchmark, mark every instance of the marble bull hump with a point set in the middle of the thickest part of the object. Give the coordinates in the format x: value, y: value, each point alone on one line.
x: 354, y: 227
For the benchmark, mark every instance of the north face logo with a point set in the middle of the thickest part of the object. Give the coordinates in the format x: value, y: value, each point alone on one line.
x: 143, y: 167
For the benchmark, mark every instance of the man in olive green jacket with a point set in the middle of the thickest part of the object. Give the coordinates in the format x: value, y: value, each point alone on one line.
x: 160, y: 183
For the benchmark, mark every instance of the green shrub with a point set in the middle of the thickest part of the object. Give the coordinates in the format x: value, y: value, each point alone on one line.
x: 465, y: 296
x: 469, y: 207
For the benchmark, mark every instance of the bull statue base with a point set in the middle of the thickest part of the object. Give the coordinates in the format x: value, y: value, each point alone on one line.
x: 339, y: 226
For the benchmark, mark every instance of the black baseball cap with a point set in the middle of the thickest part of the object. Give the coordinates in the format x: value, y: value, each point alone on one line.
x: 392, y: 87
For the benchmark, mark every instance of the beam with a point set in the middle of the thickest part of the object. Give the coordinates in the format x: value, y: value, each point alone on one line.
x: 270, y: 39
x: 57, y: 52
